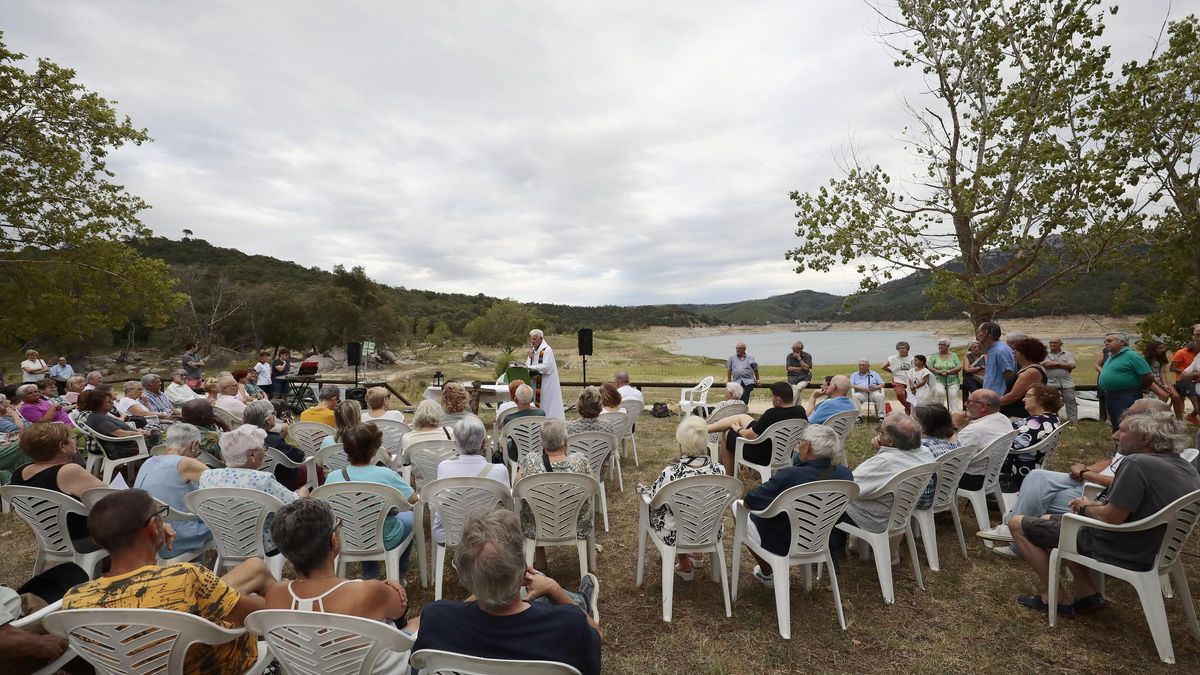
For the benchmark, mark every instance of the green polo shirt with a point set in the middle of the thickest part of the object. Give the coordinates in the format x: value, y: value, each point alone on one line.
x: 1124, y: 370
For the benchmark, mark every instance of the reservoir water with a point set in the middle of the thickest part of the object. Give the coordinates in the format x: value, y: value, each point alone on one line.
x: 828, y: 346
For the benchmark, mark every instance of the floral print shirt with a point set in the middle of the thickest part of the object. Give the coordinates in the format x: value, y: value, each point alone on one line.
x: 661, y: 518
x: 576, y: 462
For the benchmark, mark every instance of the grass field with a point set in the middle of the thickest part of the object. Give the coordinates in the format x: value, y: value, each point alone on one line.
x: 966, y: 619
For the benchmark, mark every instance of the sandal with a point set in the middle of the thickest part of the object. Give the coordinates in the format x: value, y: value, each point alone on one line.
x: 1035, y: 602
x: 1092, y: 603
x: 686, y: 576
x: 697, y: 560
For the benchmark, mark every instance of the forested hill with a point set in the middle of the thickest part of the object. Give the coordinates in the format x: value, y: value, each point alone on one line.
x: 900, y: 299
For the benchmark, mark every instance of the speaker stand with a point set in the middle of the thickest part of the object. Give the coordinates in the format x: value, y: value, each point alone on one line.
x: 585, y: 382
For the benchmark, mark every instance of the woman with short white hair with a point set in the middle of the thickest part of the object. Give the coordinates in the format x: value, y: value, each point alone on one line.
x: 377, y: 400
x: 470, y: 438
x: 170, y: 476
x: 131, y: 403
x: 261, y: 414
x: 733, y: 394
x: 694, y: 460
x: 554, y: 457
x: 427, y: 420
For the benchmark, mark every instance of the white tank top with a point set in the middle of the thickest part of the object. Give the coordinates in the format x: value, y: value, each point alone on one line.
x: 314, y: 604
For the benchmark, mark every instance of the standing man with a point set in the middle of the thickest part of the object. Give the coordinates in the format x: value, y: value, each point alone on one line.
x: 61, y: 372
x: 279, y: 368
x: 1180, y: 362
x: 1001, y: 364
x: 868, y: 386
x: 743, y: 370
x: 1123, y: 378
x: 621, y: 382
x: 547, y: 393
x: 1058, y: 365
x: 799, y: 369
x: 192, y: 364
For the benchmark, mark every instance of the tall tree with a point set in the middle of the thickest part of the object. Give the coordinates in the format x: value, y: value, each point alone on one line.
x: 1156, y: 111
x: 64, y: 224
x: 506, y: 324
x: 1018, y: 189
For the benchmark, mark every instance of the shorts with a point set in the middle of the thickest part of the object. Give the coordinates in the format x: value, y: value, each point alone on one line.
x: 756, y: 454
x: 1044, y: 533
x: 1186, y: 388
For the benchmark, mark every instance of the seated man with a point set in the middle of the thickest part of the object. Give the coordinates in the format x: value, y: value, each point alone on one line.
x: 628, y: 393
x: 94, y: 379
x: 549, y: 625
x: 129, y: 524
x: 1152, y: 476
x: 868, y: 386
x: 818, y: 448
x: 24, y: 651
x: 981, y: 424
x: 747, y: 427
x: 898, y: 446
x: 227, y: 396
x: 327, y: 399
x: 837, y: 393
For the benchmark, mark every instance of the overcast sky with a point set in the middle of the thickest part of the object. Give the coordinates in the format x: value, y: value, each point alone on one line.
x: 583, y: 153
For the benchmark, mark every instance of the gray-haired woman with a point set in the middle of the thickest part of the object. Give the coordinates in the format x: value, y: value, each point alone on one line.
x: 261, y: 414
x: 427, y: 419
x: 170, y: 476
x: 470, y: 438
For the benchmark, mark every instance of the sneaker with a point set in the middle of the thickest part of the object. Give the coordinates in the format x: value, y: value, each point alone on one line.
x: 1006, y: 551
x: 589, y: 588
x: 998, y: 533
x: 767, y: 580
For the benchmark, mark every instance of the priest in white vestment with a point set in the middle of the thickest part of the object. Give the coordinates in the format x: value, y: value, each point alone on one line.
x: 541, y: 360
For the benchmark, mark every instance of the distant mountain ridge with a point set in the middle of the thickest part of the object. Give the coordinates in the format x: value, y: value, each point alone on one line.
x: 896, y: 300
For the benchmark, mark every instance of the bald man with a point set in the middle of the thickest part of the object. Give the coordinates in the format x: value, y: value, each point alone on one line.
x: 837, y: 399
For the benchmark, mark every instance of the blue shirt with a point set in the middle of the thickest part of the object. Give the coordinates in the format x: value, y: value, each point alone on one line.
x: 999, y: 359
x: 830, y: 407
x: 776, y: 533
x: 62, y: 372
x: 871, y: 379
x: 396, y: 528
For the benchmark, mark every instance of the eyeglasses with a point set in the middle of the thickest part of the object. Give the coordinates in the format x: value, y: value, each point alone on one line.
x: 337, y: 524
x: 160, y: 511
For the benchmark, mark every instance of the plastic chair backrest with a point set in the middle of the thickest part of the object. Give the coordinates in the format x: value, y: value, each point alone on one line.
x: 137, y: 641
x: 595, y: 445
x: 996, y: 452
x: 272, y: 458
x: 1048, y: 445
x: 813, y: 509
x: 950, y: 469
x: 1180, y: 517
x: 333, y: 458
x: 438, y: 662
x: 785, y: 439
x: 699, y: 393
x: 226, y: 416
x: 906, y: 488
x: 735, y: 408
x: 1190, y: 455
x: 453, y: 498
x: 236, y: 517
x: 698, y: 504
x: 842, y: 423
x: 308, y: 435
x: 632, y: 408
x: 424, y: 456
x: 556, y: 500
x: 392, y: 430
x: 526, y: 432
x: 315, y: 643
x: 363, y: 508
x: 46, y: 512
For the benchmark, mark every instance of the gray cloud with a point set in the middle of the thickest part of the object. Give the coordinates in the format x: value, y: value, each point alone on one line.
x: 556, y: 152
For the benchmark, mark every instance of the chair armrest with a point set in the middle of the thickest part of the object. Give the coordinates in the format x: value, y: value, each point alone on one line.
x: 1072, y: 523
x: 38, y: 615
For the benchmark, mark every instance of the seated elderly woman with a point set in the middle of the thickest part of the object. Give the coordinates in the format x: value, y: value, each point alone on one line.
x: 470, y: 438
x: 35, y: 409
x: 48, y: 389
x: 228, y: 398
x: 1042, y: 403
x: 377, y: 401
x: 11, y: 426
x: 454, y: 402
x: 345, y: 415
x: 155, y: 399
x: 212, y: 390
x: 51, y: 447
x: 131, y: 402
x: 261, y: 414
x: 98, y: 403
x: 178, y: 391
x: 75, y: 385
x: 306, y: 532
x: 199, y: 413
x: 938, y: 436
x: 610, y: 398
x: 589, y: 408
x: 694, y: 460
x: 554, y: 457
x: 427, y: 425
x: 170, y: 476
x: 243, y: 450
x: 733, y: 394
x: 360, y: 443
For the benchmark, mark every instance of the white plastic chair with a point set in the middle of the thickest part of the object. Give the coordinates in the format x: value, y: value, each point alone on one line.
x: 438, y: 662
x: 236, y: 517
x: 632, y: 408
x: 207, y: 459
x: 598, y: 447
x: 333, y: 458
x: 34, y: 619
x: 93, y: 495
x: 621, y: 428
x: 785, y: 438
x: 812, y: 509
x: 1047, y: 446
x: 1179, y: 518
x: 906, y: 488
x: 996, y: 452
x: 108, y: 465
x: 364, y: 509
x: 227, y: 417
x: 393, y: 431
x: 140, y: 641
x: 308, y: 435
x: 46, y: 512
x: 526, y: 432
x: 695, y: 396
x: 842, y: 424
x: 421, y: 460
x: 556, y: 500
x: 316, y: 643
x: 950, y: 469
x: 452, y: 499
x: 698, y: 504
x: 275, y: 457
x: 736, y: 408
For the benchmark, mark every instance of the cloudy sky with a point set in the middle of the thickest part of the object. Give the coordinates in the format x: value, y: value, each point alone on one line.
x: 584, y: 153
